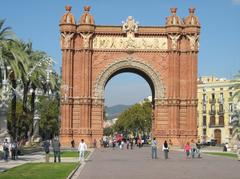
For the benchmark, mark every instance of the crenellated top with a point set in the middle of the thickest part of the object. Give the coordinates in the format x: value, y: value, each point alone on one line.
x: 191, y: 20
x: 173, y: 19
x: 86, y: 18
x: 68, y: 17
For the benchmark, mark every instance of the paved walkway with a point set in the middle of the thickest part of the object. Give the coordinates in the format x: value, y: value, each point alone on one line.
x: 137, y: 163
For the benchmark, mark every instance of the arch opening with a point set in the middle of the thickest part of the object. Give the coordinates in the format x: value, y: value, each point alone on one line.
x: 136, y: 72
x: 133, y: 66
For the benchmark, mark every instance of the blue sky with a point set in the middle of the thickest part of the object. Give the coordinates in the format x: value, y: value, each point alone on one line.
x: 219, y: 42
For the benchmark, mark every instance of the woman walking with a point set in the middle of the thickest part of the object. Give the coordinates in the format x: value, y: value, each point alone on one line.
x: 187, y: 149
x: 165, y: 149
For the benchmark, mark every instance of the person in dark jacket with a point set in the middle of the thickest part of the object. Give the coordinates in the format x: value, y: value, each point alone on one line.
x: 56, y: 149
x: 46, y: 146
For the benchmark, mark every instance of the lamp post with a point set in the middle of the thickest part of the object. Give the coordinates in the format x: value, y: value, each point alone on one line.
x: 36, y: 118
x: 47, y: 60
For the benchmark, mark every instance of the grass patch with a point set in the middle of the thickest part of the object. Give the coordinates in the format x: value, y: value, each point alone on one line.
x: 39, y: 171
x: 71, y: 154
x: 225, y: 154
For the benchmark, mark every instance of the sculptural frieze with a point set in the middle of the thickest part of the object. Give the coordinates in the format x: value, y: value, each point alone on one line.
x: 126, y: 43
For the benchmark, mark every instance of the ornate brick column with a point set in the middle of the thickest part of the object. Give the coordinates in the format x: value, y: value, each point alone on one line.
x: 83, y: 76
x: 68, y: 30
x: 192, y: 30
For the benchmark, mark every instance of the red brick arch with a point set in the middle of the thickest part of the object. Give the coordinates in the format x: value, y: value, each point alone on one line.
x: 165, y: 56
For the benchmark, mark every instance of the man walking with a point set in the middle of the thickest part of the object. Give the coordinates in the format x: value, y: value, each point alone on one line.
x: 154, y: 148
x: 56, y: 149
x: 82, y: 148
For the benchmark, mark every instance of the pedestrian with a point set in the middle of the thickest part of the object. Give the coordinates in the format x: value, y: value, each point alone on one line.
x: 187, y: 149
x: 95, y: 143
x: 46, y: 146
x: 131, y: 143
x: 127, y: 143
x: 113, y: 144
x: 165, y: 149
x: 139, y: 142
x: 193, y: 148
x: 73, y: 143
x: 13, y: 149
x: 5, y: 150
x: 56, y: 149
x: 154, y: 148
x: 82, y: 148
x: 122, y: 145
x: 198, y: 151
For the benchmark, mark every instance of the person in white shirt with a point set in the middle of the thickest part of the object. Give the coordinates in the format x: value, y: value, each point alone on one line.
x: 82, y: 148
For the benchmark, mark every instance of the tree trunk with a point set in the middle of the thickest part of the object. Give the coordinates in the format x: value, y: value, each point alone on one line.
x: 25, y: 97
x: 13, y: 112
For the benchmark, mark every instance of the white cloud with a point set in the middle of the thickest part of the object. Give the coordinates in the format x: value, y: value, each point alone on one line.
x: 237, y: 2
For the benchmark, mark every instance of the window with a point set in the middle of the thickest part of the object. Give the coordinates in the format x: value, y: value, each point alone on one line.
x: 204, y: 108
x: 230, y: 131
x: 213, y: 96
x: 230, y: 107
x: 221, y: 96
x: 212, y: 120
x: 212, y: 107
x: 204, y: 131
x: 204, y: 98
x: 204, y: 120
x: 220, y: 107
x: 221, y: 120
x: 230, y: 94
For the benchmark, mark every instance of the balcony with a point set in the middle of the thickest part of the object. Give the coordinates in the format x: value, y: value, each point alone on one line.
x: 220, y: 112
x: 212, y: 101
x: 212, y: 112
x: 215, y: 125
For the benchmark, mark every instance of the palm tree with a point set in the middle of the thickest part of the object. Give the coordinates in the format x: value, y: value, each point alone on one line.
x: 236, y: 115
x: 236, y: 86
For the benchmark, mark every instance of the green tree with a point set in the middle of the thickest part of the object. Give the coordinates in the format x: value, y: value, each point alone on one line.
x: 12, y: 56
x: 22, y: 122
x: 236, y: 100
x: 135, y: 119
x: 49, y: 112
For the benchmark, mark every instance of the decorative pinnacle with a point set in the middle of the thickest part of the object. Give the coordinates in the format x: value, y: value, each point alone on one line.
x: 87, y: 8
x: 173, y: 10
x: 191, y: 10
x: 68, y: 8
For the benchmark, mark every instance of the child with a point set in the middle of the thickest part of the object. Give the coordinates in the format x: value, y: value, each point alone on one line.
x: 187, y: 149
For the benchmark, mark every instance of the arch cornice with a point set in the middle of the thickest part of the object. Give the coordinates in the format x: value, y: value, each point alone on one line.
x: 132, y: 63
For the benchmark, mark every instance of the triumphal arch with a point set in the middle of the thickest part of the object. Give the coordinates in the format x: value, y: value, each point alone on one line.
x: 165, y: 56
